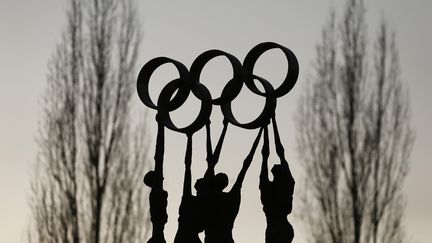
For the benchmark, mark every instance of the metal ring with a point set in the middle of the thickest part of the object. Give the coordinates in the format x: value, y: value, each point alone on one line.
x: 263, y: 118
x: 291, y: 76
x: 236, y: 81
x: 199, y: 90
x: 144, y: 78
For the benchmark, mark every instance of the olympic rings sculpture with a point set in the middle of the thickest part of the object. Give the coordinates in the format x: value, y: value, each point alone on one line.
x: 189, y: 81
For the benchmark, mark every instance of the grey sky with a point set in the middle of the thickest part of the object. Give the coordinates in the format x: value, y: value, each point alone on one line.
x: 29, y: 31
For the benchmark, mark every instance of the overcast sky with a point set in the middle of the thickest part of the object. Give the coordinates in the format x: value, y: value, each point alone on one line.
x: 29, y: 31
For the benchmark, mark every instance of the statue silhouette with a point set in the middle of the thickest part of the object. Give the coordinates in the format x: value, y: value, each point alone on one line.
x: 158, y: 196
x: 276, y: 195
x: 158, y: 204
x: 190, y: 221
x: 212, y: 210
x: 221, y: 208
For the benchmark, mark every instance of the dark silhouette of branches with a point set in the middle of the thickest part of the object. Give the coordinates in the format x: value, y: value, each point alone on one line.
x: 354, y: 135
x: 87, y: 186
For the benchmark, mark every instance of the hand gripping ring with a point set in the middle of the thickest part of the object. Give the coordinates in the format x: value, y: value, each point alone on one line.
x: 290, y: 79
x: 144, y: 78
x: 266, y: 114
x: 236, y: 82
x: 164, y: 103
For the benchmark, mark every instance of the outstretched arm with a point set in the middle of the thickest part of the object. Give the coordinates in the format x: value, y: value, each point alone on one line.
x: 265, y: 154
x: 208, y: 144
x: 187, y: 184
x: 218, y: 148
x: 246, y: 163
x: 159, y: 154
x: 279, y: 148
x: 214, y: 158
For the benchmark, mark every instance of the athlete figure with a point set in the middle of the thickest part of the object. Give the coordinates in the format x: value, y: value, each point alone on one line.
x: 158, y: 204
x: 190, y: 222
x: 276, y: 195
x: 221, y: 208
x: 158, y: 196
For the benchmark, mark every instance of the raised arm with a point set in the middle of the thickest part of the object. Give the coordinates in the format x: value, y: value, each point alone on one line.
x: 218, y: 148
x: 187, y: 184
x: 208, y: 144
x: 214, y: 158
x: 246, y: 163
x: 159, y: 154
x: 279, y: 148
x: 265, y: 154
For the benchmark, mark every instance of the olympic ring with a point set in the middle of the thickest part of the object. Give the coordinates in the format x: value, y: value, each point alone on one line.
x: 190, y: 81
x: 144, y: 79
x: 263, y: 118
x: 292, y: 74
x: 238, y: 74
x: 199, y: 90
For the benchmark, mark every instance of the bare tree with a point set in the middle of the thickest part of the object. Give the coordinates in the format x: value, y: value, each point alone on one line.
x: 88, y: 181
x: 354, y: 135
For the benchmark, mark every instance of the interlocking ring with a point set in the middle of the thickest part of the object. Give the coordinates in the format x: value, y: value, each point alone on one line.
x: 199, y: 90
x: 263, y: 118
x: 144, y: 79
x: 235, y: 83
x: 290, y: 78
x: 190, y: 81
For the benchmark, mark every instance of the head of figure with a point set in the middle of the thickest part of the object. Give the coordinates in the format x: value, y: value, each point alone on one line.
x: 199, y: 186
x: 150, y: 178
x: 278, y: 172
x: 220, y: 181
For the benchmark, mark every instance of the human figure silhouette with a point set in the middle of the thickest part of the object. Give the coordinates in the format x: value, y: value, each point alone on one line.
x: 190, y: 221
x: 221, y: 208
x: 158, y: 204
x: 276, y: 195
x: 158, y: 196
